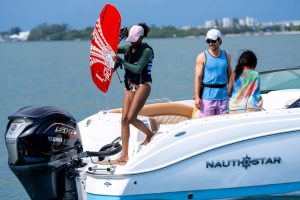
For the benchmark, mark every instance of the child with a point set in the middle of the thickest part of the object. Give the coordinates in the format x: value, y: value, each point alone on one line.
x: 244, y: 85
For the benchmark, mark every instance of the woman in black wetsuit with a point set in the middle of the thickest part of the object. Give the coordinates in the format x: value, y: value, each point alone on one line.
x: 137, y: 61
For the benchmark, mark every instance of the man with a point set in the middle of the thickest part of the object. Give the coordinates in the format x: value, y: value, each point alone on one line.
x: 212, y: 73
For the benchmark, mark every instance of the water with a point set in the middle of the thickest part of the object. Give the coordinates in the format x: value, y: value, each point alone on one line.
x: 57, y: 73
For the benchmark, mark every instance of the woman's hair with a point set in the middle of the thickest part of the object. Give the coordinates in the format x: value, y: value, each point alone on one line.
x: 247, y: 58
x: 146, y: 28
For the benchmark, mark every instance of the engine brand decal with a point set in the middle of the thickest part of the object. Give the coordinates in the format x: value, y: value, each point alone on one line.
x: 54, y: 139
x: 10, y: 141
x: 245, y: 162
x: 64, y: 130
x: 13, y: 128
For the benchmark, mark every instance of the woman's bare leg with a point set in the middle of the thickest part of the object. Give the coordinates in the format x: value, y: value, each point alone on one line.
x: 137, y: 104
x: 132, y: 105
x: 125, y: 133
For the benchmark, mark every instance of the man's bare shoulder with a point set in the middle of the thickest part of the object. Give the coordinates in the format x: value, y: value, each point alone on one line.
x: 201, y: 57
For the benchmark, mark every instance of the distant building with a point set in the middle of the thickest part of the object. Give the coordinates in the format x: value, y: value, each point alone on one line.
x: 250, y: 22
x: 210, y: 24
x: 267, y: 24
x: 219, y: 23
x: 22, y: 36
x: 242, y: 22
x: 296, y: 23
x: 227, y: 22
x: 282, y: 23
x: 289, y: 23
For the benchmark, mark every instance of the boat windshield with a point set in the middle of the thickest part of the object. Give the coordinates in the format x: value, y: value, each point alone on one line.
x: 288, y: 78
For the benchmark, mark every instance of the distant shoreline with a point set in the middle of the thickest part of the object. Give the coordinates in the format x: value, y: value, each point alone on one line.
x: 266, y: 33
x: 189, y: 36
x: 63, y: 32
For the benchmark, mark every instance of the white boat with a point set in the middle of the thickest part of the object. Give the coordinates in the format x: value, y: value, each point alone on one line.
x: 247, y: 154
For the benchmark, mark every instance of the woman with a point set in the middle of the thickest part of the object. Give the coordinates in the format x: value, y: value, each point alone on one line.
x: 244, y: 85
x: 137, y: 61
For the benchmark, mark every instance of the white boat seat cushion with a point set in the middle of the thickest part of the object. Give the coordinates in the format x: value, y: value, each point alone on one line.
x: 164, y: 113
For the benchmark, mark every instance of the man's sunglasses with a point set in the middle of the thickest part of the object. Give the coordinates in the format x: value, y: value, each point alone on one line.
x: 211, y: 41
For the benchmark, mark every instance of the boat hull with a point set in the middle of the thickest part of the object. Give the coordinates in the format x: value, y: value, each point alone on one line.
x: 213, y: 194
x: 256, y: 167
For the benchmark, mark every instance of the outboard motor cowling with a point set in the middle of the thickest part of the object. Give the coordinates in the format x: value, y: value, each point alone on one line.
x: 42, y: 143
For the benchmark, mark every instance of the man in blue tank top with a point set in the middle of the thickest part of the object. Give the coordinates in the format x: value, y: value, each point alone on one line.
x: 212, y: 73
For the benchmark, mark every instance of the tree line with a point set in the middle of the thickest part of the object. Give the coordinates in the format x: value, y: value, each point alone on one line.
x: 65, y: 32
x: 58, y: 32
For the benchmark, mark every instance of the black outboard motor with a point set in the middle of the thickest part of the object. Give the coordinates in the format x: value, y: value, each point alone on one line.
x: 42, y: 143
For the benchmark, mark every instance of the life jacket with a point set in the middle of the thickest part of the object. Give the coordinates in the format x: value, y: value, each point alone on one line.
x: 145, y: 75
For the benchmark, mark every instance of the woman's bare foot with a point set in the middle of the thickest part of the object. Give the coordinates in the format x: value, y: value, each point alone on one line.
x: 148, y: 139
x: 120, y: 161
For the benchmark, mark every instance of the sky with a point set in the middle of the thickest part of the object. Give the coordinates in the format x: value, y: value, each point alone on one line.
x: 79, y: 14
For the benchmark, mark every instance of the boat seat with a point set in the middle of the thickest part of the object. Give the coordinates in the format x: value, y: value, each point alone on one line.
x: 164, y: 113
x: 170, y: 119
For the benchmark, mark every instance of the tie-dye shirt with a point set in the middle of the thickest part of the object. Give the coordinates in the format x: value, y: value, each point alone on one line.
x: 246, y: 92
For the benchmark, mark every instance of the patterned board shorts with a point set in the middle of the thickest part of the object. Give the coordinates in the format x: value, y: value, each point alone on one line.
x: 213, y: 107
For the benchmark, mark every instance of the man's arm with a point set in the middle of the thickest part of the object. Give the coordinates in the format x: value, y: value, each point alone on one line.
x: 230, y: 85
x: 229, y: 70
x: 198, y: 78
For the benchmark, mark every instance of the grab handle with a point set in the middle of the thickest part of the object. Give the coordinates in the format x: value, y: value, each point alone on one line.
x: 180, y: 133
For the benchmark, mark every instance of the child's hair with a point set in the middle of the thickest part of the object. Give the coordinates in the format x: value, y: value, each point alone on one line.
x: 146, y: 28
x: 247, y: 58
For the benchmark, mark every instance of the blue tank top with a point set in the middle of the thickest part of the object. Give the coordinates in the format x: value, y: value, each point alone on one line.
x: 215, y: 72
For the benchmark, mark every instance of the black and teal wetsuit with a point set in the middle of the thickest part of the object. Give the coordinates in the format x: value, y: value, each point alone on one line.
x: 138, y: 65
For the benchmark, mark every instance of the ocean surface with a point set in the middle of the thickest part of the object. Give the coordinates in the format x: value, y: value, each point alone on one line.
x: 58, y: 74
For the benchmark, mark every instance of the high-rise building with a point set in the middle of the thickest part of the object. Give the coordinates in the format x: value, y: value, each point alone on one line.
x: 210, y: 24
x: 227, y: 22
x: 250, y: 22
